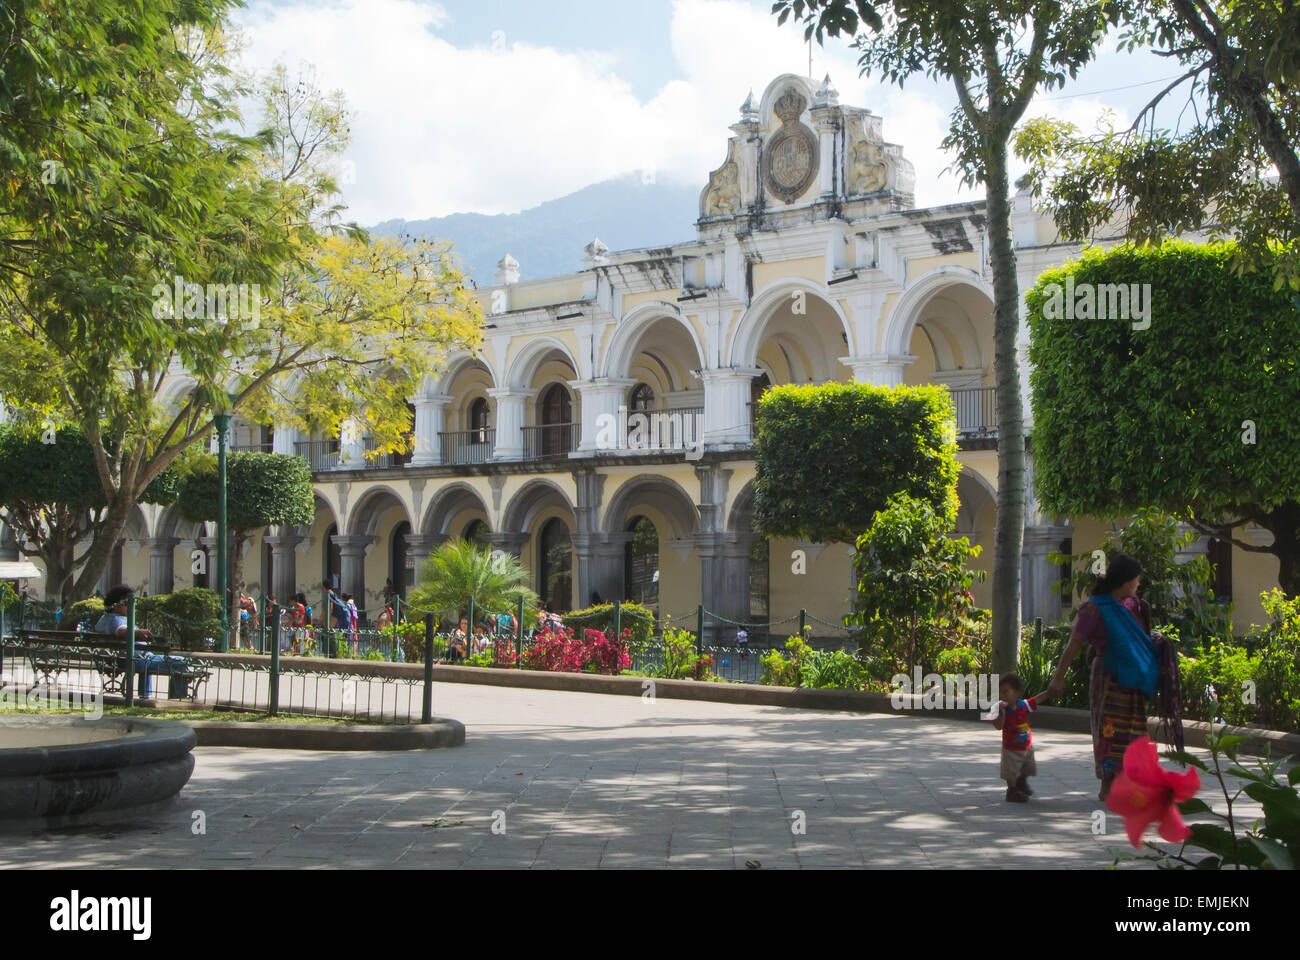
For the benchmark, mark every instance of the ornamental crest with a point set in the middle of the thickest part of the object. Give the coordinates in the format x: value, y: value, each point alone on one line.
x: 791, y: 155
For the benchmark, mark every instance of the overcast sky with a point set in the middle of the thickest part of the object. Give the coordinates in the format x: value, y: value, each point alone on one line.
x: 494, y: 106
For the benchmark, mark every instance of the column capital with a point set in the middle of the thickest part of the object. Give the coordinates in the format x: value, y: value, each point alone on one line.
x: 510, y: 393
x: 729, y: 374
x: 160, y: 543
x: 882, y: 369
x: 354, y: 545
x: 432, y: 399
x: 1043, y: 537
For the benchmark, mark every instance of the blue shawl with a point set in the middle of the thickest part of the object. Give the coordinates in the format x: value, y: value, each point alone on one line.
x: 1130, y: 655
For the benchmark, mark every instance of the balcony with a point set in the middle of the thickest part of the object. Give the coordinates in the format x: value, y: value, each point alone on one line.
x: 551, y: 441
x: 467, y: 446
x: 320, y: 454
x: 252, y: 448
x: 977, y: 411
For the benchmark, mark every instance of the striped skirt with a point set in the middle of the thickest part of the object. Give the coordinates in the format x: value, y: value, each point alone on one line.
x: 1118, y: 715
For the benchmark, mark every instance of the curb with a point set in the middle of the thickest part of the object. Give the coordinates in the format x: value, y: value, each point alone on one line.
x: 319, y: 736
x: 1067, y: 719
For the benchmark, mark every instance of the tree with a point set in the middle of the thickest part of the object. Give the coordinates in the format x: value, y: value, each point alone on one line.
x: 119, y: 275
x: 828, y: 457
x: 262, y: 490
x: 997, y: 55
x: 458, y: 570
x: 52, y: 499
x: 1242, y: 61
x: 913, y: 594
x: 1191, y: 410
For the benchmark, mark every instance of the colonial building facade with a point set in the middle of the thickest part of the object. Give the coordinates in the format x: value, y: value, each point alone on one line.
x: 810, y: 263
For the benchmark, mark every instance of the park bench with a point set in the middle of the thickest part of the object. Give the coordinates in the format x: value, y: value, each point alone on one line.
x: 55, y: 652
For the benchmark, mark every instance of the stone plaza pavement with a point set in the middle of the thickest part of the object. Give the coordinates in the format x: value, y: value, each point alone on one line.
x: 580, y: 780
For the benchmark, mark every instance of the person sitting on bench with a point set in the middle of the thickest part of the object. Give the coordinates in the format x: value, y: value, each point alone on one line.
x: 114, y: 623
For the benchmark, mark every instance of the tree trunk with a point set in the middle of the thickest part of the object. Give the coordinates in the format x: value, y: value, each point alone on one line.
x: 101, y: 549
x: 1009, y: 538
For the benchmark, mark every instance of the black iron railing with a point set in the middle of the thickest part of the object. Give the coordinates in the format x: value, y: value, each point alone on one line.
x: 551, y: 441
x: 467, y: 446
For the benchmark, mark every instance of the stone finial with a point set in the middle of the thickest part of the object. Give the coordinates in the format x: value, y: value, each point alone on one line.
x: 826, y: 94
x: 507, y: 270
x: 596, y: 253
x: 749, y: 112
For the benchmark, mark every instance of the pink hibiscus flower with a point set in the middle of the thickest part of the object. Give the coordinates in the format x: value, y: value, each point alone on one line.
x: 1146, y: 793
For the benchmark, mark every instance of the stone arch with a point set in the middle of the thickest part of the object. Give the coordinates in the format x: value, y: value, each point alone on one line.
x: 663, y: 494
x: 363, y: 518
x: 752, y: 331
x: 524, y: 365
x: 906, y: 314
x: 529, y: 501
x: 975, y: 496
x: 740, y: 518
x: 451, y: 501
x: 628, y: 336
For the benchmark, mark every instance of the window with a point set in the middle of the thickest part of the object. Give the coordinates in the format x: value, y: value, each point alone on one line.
x: 556, y: 417
x: 398, y: 572
x: 479, y: 420
x: 642, y: 399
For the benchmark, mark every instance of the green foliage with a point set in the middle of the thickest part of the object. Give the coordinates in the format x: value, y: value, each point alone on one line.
x: 83, y: 611
x: 802, y: 666
x: 1230, y: 670
x: 635, y: 617
x: 961, y: 660
x: 830, y: 456
x: 410, y: 634
x: 780, y: 670
x: 262, y: 489
x: 186, y: 618
x: 458, y: 570
x: 833, y: 670
x: 1127, y: 418
x: 680, y: 659
x: 1206, y: 174
x: 1038, y: 661
x: 1177, y: 592
x: 913, y: 598
x: 1270, y: 843
x: 487, y: 660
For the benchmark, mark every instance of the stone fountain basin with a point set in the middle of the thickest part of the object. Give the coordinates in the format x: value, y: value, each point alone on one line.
x: 64, y: 771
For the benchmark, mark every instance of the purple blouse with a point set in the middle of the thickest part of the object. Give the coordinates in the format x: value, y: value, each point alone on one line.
x: 1089, y: 625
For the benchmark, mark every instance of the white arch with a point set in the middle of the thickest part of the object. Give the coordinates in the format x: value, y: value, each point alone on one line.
x: 623, y: 345
x: 749, y: 332
x: 439, y: 384
x: 524, y: 365
x: 904, y: 317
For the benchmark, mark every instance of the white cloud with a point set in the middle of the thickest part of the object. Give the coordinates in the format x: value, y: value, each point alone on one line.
x: 440, y: 129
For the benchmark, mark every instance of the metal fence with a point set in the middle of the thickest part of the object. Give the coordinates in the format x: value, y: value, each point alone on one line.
x: 467, y: 446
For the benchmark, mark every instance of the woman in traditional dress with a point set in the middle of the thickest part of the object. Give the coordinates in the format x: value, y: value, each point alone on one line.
x: 1129, y: 668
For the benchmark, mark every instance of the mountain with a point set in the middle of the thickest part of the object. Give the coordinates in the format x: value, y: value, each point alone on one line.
x: 548, y: 239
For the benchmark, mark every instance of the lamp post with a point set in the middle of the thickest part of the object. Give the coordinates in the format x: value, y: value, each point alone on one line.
x: 222, y: 422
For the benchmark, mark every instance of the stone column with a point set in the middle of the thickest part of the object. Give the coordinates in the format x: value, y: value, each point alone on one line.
x: 418, y: 548
x: 284, y: 564
x: 430, y: 420
x: 602, y: 428
x: 160, y: 563
x: 511, y: 543
x: 352, y: 565
x: 884, y: 370
x: 284, y: 440
x: 724, y: 581
x: 1038, y: 574
x: 726, y: 406
x: 826, y: 122
x: 510, y: 412
x: 600, y: 565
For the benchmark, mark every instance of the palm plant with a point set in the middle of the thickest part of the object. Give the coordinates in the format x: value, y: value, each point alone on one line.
x: 459, y: 569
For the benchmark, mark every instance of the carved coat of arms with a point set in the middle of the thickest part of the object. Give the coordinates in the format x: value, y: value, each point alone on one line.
x: 790, y: 159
